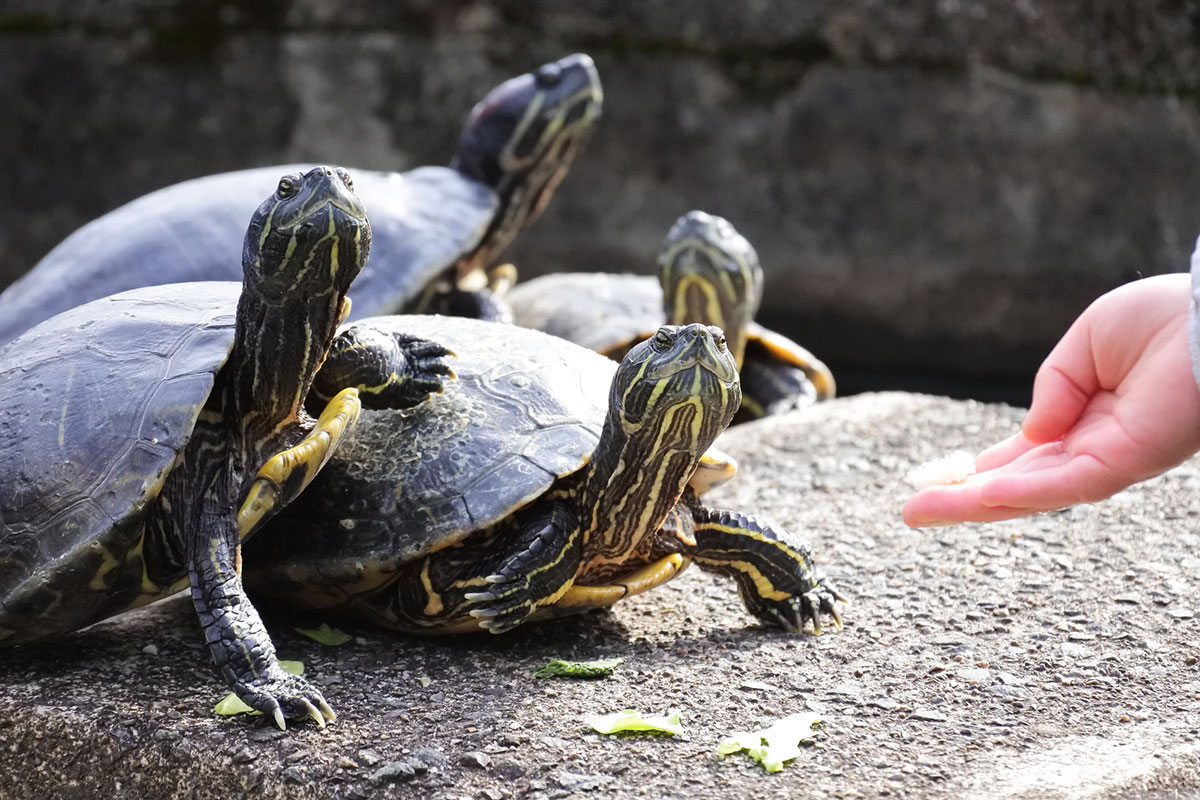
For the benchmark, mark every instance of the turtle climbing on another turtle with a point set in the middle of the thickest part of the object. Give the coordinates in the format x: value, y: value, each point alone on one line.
x: 436, y: 228
x: 708, y: 273
x: 545, y: 480
x: 146, y: 433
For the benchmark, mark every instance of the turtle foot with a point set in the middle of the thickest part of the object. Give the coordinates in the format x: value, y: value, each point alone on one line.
x: 793, y: 613
x: 426, y: 361
x: 508, y: 607
x: 282, y: 696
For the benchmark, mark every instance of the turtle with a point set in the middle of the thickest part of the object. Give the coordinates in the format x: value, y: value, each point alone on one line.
x: 709, y: 273
x: 146, y: 433
x: 436, y: 228
x: 546, y: 480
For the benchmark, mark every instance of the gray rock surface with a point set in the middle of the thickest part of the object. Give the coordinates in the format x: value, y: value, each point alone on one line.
x: 1054, y: 657
x: 922, y: 179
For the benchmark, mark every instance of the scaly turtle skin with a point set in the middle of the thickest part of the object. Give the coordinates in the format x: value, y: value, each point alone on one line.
x: 146, y: 433
x: 435, y: 228
x: 708, y: 273
x: 520, y: 494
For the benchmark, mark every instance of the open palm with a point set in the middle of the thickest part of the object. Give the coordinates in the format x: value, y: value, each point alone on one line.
x: 1114, y: 403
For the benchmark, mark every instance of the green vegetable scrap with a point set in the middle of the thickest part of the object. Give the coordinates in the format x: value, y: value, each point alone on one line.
x: 633, y: 721
x: 558, y: 668
x: 326, y: 635
x: 774, y: 745
x: 231, y: 705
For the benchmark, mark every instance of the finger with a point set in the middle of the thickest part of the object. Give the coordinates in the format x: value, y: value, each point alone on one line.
x: 1081, y: 478
x: 942, y: 505
x: 1003, y: 452
x: 976, y: 514
x: 1063, y: 385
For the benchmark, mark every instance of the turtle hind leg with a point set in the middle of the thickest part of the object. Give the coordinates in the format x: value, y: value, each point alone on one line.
x: 772, y: 567
x: 389, y: 370
x: 548, y: 550
x: 285, y: 474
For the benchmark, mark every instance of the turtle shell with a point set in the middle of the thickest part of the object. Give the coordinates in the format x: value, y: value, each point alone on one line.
x: 99, y: 403
x: 422, y: 221
x: 526, y: 409
x: 622, y: 309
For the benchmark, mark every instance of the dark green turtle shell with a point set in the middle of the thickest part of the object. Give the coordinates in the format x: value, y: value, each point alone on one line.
x: 422, y: 222
x: 525, y: 410
x: 99, y: 403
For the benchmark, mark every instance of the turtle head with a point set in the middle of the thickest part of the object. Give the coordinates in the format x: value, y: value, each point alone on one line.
x: 310, y: 235
x: 671, y: 396
x: 521, y: 138
x: 710, y: 274
x: 306, y: 243
x: 678, y: 389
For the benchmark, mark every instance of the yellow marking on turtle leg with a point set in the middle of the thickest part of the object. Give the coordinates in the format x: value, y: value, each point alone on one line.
x: 433, y: 605
x: 648, y: 577
x: 266, y: 493
x: 343, y: 311
x: 761, y: 583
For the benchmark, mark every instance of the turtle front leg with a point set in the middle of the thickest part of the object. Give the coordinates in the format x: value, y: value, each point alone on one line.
x: 281, y: 479
x: 548, y: 551
x: 772, y: 567
x: 389, y: 370
x: 237, y: 639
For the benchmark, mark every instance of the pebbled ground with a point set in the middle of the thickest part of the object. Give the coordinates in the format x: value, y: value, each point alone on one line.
x: 1054, y: 657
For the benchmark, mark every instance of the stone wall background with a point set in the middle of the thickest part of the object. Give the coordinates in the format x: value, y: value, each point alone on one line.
x: 935, y: 187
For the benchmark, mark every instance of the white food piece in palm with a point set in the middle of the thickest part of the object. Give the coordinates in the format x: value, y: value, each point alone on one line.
x: 952, y: 468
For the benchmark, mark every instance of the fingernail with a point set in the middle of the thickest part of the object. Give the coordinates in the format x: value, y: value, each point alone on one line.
x: 934, y: 523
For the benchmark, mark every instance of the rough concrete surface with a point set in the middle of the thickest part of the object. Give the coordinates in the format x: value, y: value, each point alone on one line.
x: 1054, y: 657
x: 921, y: 178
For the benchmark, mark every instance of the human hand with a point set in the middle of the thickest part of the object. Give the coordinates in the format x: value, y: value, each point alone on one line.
x: 1114, y: 403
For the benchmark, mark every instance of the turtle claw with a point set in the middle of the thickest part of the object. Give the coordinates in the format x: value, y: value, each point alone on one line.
x: 796, y: 611
x: 282, y: 696
x: 836, y: 614
x: 507, y: 614
x: 482, y: 613
x: 312, y: 713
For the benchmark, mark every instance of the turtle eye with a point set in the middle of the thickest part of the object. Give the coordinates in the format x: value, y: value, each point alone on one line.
x: 662, y: 340
x: 288, y: 186
x: 346, y: 179
x: 721, y: 343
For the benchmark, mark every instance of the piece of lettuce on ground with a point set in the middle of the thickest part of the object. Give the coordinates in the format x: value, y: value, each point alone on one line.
x: 629, y: 721
x: 560, y: 668
x: 325, y: 635
x: 774, y: 745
